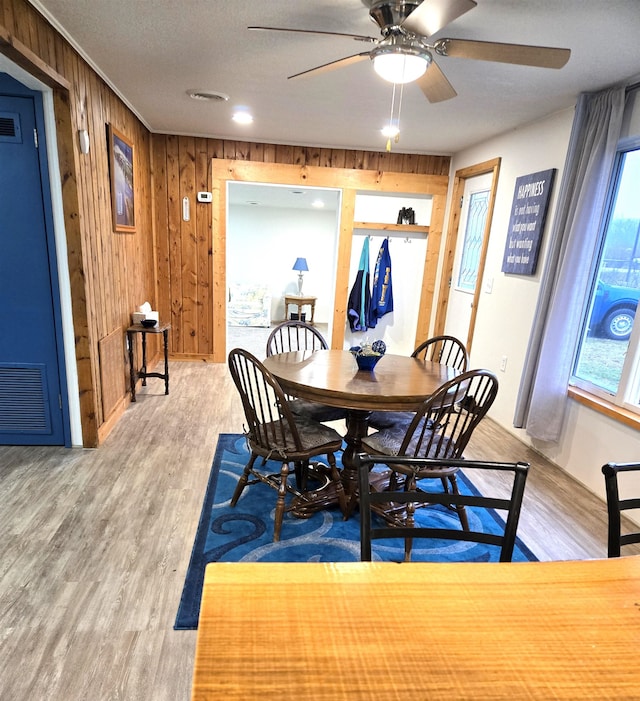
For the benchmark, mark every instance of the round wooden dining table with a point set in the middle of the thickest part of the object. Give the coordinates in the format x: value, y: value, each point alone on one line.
x: 397, y: 383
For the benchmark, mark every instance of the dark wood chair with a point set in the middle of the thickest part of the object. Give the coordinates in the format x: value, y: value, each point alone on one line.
x: 300, y: 336
x: 294, y: 336
x: 447, y: 350
x: 441, y: 428
x: 411, y: 495
x: 616, y: 505
x: 274, y: 433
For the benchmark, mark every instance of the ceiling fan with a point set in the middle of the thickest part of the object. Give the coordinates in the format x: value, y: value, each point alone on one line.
x: 404, y: 54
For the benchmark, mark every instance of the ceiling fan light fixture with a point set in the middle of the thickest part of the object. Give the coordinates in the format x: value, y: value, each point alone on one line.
x: 400, y: 64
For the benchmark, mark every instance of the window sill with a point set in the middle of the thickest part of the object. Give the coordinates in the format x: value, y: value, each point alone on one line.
x: 602, y: 406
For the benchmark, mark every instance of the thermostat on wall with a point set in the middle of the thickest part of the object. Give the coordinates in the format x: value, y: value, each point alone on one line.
x: 205, y: 197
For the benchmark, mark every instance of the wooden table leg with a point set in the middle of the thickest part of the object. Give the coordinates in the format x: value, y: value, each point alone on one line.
x: 165, y: 339
x: 132, y: 369
x: 325, y: 496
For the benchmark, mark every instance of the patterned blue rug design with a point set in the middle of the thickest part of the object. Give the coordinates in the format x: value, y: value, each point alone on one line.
x: 245, y: 532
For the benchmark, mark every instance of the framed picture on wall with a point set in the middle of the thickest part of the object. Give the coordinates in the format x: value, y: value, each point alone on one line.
x: 122, y: 186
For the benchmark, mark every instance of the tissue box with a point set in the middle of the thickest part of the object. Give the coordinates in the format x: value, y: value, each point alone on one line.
x: 137, y: 317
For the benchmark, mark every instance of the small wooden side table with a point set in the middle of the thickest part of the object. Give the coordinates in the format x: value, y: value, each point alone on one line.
x: 142, y: 373
x: 299, y: 301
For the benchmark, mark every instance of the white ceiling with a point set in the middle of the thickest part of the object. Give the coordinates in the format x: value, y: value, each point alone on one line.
x: 153, y: 51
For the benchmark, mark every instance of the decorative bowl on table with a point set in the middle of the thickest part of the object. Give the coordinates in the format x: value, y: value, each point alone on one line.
x: 148, y: 323
x: 367, y: 362
x: 368, y: 354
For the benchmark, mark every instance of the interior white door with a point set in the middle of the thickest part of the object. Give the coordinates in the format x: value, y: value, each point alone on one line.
x: 473, y: 219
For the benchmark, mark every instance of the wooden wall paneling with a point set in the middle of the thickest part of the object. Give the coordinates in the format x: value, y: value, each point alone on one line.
x: 22, y: 17
x: 284, y: 154
x: 111, y: 353
x: 299, y: 155
x: 7, y: 17
x: 338, y: 158
x: 145, y: 242
x: 313, y: 156
x: 98, y: 214
x: 161, y: 228
x: 85, y: 324
x: 175, y: 248
x: 256, y: 152
x: 76, y: 256
x: 87, y: 179
x: 219, y: 287
x: 189, y: 274
x: 216, y: 147
x: 269, y: 153
x: 204, y: 248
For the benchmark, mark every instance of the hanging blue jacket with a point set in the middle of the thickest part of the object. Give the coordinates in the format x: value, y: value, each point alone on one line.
x: 382, y: 295
x: 359, y: 304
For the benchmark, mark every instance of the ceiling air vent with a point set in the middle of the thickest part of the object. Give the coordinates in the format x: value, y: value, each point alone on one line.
x: 207, y: 95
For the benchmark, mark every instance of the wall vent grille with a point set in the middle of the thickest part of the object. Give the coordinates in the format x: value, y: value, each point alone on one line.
x: 24, y: 401
x: 10, y: 127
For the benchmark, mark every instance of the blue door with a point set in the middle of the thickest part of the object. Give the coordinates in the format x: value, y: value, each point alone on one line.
x: 32, y: 408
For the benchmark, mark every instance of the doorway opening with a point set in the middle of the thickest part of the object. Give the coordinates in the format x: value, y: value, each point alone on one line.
x: 270, y: 227
x: 483, y: 176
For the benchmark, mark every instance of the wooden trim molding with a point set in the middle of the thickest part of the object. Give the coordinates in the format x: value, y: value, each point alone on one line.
x: 602, y: 406
x: 459, y: 182
x: 350, y: 181
x: 22, y: 56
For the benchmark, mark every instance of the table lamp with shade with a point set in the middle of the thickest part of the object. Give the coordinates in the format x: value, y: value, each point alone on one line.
x: 301, y: 266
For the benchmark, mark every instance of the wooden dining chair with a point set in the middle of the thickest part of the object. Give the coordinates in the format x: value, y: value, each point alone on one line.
x: 273, y: 432
x: 373, y: 527
x: 300, y: 336
x: 447, y: 350
x: 616, y: 505
x: 295, y: 336
x: 441, y: 428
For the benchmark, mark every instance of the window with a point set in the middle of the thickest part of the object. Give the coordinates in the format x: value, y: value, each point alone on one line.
x: 473, y: 235
x: 608, y: 359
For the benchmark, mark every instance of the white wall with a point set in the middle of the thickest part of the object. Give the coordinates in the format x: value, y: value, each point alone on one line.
x: 589, y: 439
x: 407, y: 251
x: 263, y: 244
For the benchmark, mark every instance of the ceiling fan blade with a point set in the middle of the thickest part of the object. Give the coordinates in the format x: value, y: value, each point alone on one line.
x: 432, y: 15
x: 357, y: 37
x: 434, y: 84
x: 520, y: 54
x: 340, y: 63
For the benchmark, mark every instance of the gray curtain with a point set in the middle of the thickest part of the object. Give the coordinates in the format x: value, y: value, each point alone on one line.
x: 542, y: 399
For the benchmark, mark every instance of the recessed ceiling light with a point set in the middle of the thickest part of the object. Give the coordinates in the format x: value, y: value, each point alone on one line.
x: 318, y: 204
x: 242, y: 117
x: 207, y: 95
x: 390, y: 131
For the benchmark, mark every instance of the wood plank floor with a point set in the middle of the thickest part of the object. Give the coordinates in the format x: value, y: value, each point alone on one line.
x: 96, y: 543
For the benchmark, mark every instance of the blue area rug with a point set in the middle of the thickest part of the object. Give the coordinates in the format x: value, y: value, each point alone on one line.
x: 245, y: 532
